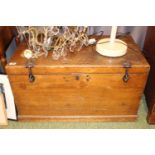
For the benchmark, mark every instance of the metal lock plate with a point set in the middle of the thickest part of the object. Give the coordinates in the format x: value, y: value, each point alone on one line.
x: 77, y: 76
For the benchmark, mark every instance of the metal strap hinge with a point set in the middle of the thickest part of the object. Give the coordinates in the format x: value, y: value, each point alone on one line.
x: 30, y: 65
x: 126, y: 76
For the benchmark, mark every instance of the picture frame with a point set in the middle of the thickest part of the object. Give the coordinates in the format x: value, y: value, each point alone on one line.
x: 8, y: 98
x: 3, y: 115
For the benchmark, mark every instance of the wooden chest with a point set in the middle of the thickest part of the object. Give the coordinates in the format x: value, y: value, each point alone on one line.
x: 84, y: 86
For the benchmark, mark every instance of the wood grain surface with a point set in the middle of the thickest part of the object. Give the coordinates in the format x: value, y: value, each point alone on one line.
x: 149, y: 51
x: 6, y: 35
x: 84, y: 86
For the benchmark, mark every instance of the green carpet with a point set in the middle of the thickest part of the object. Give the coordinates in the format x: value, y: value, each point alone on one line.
x: 141, y: 123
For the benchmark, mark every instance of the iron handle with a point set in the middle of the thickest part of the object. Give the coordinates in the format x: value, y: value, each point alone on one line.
x: 31, y: 76
x: 126, y: 76
x: 30, y: 65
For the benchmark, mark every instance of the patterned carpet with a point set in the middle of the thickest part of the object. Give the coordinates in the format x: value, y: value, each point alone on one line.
x: 141, y: 123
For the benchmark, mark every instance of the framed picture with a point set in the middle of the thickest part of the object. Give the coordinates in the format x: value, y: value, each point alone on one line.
x: 3, y: 115
x: 7, y: 99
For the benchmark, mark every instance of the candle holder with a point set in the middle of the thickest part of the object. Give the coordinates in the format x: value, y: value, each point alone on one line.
x: 111, y: 47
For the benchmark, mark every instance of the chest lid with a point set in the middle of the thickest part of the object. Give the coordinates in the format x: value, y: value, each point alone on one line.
x: 85, y: 61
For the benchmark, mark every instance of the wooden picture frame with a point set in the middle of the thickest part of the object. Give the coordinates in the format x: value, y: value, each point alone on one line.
x: 3, y: 115
x: 9, y: 99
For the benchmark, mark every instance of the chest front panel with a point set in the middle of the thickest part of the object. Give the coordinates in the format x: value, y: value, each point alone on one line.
x: 77, y: 94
